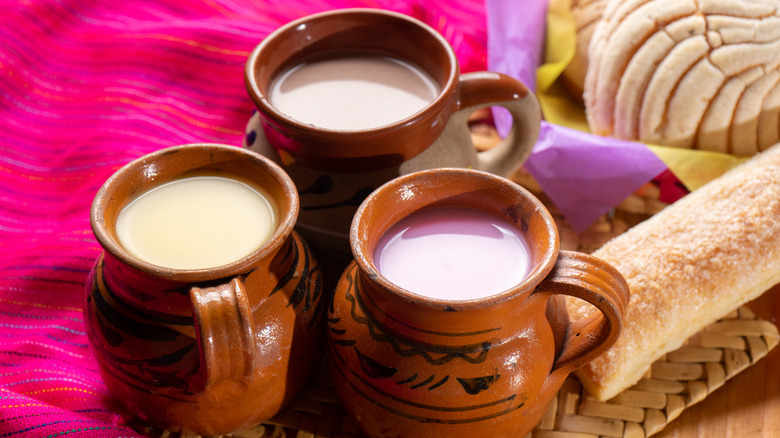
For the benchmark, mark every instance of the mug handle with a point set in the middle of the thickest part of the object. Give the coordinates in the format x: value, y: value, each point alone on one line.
x: 591, y: 279
x: 484, y: 89
x: 224, y: 331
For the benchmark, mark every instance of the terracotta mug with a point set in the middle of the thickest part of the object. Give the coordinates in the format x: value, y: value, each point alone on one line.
x: 335, y: 168
x: 405, y: 364
x: 207, y: 350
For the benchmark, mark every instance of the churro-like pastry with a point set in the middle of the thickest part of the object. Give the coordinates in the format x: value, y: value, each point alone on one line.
x: 688, y: 266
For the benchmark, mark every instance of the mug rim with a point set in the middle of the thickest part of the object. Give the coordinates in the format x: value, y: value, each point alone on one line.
x: 347, y: 143
x: 363, y: 249
x: 110, y: 243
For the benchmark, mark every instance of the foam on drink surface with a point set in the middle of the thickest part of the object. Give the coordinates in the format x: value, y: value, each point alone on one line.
x: 196, y: 222
x: 453, y: 254
x: 352, y: 92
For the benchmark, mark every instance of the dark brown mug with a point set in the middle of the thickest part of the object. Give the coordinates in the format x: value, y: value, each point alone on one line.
x: 207, y: 350
x: 408, y: 365
x: 335, y: 169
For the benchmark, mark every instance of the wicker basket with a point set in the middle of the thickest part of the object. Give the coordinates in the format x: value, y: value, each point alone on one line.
x: 681, y: 379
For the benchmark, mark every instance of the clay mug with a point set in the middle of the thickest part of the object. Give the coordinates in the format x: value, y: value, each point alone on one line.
x: 335, y: 166
x: 204, y: 350
x: 406, y: 364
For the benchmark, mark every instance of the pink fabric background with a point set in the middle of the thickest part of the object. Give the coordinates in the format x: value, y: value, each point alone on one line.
x: 85, y: 87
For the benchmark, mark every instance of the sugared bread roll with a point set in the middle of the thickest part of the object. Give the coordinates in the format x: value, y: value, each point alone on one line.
x: 689, y: 265
x: 586, y: 13
x: 701, y: 74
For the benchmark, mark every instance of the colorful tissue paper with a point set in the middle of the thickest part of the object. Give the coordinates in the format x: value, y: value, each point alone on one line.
x: 583, y: 174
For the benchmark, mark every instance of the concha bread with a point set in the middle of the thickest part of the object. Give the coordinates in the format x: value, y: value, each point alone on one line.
x: 689, y: 265
x: 702, y: 74
x: 586, y: 13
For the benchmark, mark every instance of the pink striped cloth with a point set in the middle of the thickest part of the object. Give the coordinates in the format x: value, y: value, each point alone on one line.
x: 86, y: 86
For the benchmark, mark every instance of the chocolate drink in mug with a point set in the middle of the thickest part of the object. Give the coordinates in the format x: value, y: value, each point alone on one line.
x: 371, y: 91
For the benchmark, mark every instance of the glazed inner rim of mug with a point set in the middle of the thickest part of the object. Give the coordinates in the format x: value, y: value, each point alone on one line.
x: 350, y: 32
x: 157, y: 168
x: 428, y: 191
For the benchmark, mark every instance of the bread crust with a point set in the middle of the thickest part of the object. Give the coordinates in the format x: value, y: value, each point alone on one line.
x: 586, y: 14
x: 688, y: 266
x: 699, y: 74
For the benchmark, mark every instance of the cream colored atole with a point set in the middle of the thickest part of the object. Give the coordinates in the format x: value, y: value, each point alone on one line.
x: 194, y: 223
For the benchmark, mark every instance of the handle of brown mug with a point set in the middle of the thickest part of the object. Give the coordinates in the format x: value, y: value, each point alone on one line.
x: 600, y: 284
x: 486, y: 89
x: 225, y: 332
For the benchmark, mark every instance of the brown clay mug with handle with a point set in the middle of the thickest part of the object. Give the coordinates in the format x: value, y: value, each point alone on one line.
x: 330, y: 61
x: 206, y: 350
x: 410, y: 364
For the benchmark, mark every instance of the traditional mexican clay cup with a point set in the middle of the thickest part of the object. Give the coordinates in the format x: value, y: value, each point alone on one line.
x: 407, y: 365
x: 335, y: 167
x: 213, y: 350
